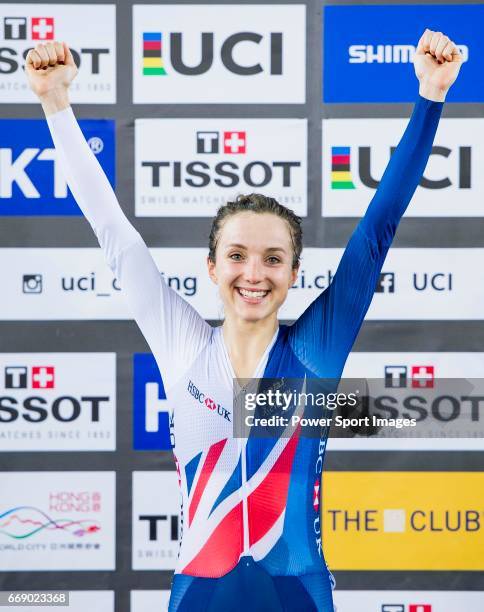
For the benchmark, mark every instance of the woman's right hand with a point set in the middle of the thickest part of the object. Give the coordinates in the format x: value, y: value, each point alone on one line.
x: 50, y: 69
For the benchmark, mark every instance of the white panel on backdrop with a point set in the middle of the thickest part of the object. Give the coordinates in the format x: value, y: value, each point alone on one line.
x: 190, y: 167
x: 62, y: 521
x: 141, y: 601
x: 70, y: 284
x: 80, y: 601
x: 452, y: 184
x: 379, y: 367
x: 57, y: 402
x: 408, y: 601
x: 415, y: 284
x: 93, y: 46
x: 224, y: 53
x: 157, y: 522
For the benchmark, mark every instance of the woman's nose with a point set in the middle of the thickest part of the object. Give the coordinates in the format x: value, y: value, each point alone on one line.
x: 253, y: 270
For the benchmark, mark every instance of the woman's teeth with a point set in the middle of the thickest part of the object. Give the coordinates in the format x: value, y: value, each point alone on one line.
x: 252, y: 294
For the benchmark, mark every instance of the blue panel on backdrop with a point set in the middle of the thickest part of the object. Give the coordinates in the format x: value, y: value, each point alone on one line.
x: 151, y: 423
x: 367, y: 50
x: 30, y: 182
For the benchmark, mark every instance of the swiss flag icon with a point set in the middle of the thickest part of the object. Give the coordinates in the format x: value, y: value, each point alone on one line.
x: 42, y: 377
x: 235, y: 142
x: 422, y: 377
x: 419, y: 608
x: 42, y: 28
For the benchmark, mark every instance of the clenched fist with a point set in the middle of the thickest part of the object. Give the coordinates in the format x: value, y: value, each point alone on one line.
x: 437, y: 63
x: 50, y: 69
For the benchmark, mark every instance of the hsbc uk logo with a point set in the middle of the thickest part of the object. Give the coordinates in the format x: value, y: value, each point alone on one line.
x: 39, y: 377
x: 419, y: 376
x: 22, y: 28
x: 228, y: 143
x: 210, y: 403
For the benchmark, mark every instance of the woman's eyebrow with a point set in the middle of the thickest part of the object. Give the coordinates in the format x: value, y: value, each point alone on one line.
x: 282, y: 249
x: 242, y: 246
x: 237, y: 246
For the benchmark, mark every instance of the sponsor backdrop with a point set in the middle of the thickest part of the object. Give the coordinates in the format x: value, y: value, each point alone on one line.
x: 186, y: 105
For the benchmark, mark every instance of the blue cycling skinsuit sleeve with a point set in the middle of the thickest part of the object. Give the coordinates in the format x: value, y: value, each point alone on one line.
x: 335, y: 317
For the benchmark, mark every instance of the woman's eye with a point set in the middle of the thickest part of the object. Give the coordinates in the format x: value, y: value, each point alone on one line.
x: 236, y: 256
x: 273, y: 260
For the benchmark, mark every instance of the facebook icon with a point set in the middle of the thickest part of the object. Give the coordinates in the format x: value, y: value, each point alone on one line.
x: 151, y: 430
x: 386, y: 283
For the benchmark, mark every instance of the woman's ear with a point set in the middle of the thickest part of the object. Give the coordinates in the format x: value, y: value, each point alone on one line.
x: 211, y: 270
x: 294, y: 273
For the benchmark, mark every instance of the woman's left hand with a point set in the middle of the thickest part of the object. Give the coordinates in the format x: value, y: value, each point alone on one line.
x: 437, y: 63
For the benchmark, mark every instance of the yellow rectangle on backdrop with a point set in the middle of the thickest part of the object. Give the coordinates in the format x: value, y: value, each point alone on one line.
x: 338, y: 176
x: 403, y: 520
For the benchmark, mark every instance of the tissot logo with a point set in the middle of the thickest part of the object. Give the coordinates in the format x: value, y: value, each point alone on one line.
x: 225, y: 174
x: 218, y: 53
x: 42, y: 377
x: 233, y: 142
x: 189, y: 165
x: 156, y: 522
x: 421, y: 376
x: 93, y: 47
x: 57, y: 401
x: 41, y: 28
x: 89, y: 59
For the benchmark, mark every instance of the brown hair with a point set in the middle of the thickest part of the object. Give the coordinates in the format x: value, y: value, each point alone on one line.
x: 257, y: 203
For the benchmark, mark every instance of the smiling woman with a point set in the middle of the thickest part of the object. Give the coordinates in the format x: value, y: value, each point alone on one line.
x: 254, y: 250
x: 251, y: 531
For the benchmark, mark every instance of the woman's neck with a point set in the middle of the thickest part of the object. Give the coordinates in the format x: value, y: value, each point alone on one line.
x: 246, y: 342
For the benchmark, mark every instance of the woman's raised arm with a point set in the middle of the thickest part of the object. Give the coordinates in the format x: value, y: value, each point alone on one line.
x: 327, y: 329
x: 158, y: 310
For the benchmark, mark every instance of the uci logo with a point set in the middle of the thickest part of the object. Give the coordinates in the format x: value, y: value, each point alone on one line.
x: 231, y: 53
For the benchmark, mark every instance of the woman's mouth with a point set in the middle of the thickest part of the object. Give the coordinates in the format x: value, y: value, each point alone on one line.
x: 252, y: 296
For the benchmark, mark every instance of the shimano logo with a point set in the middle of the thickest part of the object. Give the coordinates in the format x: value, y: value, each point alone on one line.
x: 389, y: 54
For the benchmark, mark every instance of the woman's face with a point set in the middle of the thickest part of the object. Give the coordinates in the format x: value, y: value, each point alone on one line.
x: 253, y: 268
